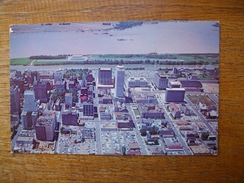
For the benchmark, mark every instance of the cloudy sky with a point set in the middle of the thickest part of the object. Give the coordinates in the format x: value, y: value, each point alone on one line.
x: 114, y: 38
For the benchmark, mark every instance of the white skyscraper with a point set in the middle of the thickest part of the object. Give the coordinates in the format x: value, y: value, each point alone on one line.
x: 119, y: 81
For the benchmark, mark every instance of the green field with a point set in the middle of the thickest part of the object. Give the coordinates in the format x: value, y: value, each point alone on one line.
x: 157, y: 58
x: 55, y: 62
x: 161, y: 59
x: 20, y: 61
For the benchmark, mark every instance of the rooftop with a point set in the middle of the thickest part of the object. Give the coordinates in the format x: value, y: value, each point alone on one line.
x: 175, y: 89
x: 120, y: 67
x: 68, y: 94
x: 190, y: 83
x: 174, y: 106
x: 133, y: 145
x: 105, y: 69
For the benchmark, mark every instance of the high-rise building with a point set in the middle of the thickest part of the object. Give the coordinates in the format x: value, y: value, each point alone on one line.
x: 68, y: 99
x: 161, y: 81
x: 175, y: 95
x: 40, y: 89
x: 30, y: 104
x: 35, y: 76
x: 105, y: 76
x: 58, y: 76
x: 45, y: 126
x: 20, y: 83
x: 26, y: 120
x: 88, y: 109
x: 34, y: 116
x: 119, y: 81
x: 14, y: 100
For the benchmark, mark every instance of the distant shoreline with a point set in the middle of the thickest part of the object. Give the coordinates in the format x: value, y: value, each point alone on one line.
x: 124, y: 59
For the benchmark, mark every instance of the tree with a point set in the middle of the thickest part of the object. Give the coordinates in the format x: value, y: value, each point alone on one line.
x: 204, y: 74
x: 123, y: 150
x: 156, y: 142
x: 153, y: 130
x: 61, y: 129
x: 143, y: 132
x: 204, y: 135
x: 83, y: 140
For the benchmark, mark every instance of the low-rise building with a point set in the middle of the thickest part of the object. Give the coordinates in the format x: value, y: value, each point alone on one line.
x: 147, y: 122
x: 105, y: 116
x: 109, y: 127
x: 185, y: 110
x: 200, y: 149
x: 151, y: 111
x: 133, y: 146
x: 213, y: 114
x: 167, y: 133
x: 133, y: 152
x: 145, y: 98
x: 191, y: 85
x: 157, y: 151
x: 137, y: 82
x: 104, y: 113
x: 174, y: 109
x: 125, y: 125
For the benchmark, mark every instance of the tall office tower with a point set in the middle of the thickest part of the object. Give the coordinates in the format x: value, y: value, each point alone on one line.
x: 161, y: 81
x: 45, y: 126
x: 119, y: 81
x: 14, y: 100
x: 105, y: 76
x: 58, y: 76
x: 20, y: 83
x: 34, y: 116
x: 68, y: 98
x: 88, y: 109
x: 35, y: 76
x: 30, y: 104
x: 40, y: 89
x: 26, y: 120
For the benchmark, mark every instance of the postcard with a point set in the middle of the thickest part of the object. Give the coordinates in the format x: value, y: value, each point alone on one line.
x: 115, y: 88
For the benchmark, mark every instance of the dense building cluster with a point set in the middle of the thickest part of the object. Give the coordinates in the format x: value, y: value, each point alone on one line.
x: 114, y: 111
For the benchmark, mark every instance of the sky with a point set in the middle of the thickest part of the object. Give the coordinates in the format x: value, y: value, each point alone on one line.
x: 114, y: 38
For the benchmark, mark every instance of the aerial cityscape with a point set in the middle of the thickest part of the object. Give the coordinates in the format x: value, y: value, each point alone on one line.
x: 115, y: 88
